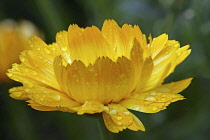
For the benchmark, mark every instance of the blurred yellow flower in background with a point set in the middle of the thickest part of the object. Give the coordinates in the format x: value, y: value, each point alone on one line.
x: 106, y: 71
x: 13, y: 40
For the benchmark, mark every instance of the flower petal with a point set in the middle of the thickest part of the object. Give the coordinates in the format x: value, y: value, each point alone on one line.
x: 156, y: 100
x: 105, y: 76
x: 46, y: 97
x: 157, y: 44
x: 40, y: 107
x: 88, y: 44
x: 18, y: 93
x: 37, y: 65
x: 89, y: 107
x: 121, y: 44
x: 118, y: 118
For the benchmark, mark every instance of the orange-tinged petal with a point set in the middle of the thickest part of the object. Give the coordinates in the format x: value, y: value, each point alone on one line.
x: 105, y: 76
x: 88, y: 44
x: 120, y: 43
x: 156, y: 100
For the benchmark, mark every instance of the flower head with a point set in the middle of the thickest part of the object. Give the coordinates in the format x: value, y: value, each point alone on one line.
x: 13, y: 40
x: 106, y: 71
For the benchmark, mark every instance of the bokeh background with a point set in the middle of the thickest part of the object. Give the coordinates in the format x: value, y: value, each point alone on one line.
x: 187, y: 21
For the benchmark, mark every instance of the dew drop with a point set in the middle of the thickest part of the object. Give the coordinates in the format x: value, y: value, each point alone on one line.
x: 56, y: 97
x: 126, y: 112
x: 63, y: 49
x: 119, y: 123
x: 113, y: 112
x: 150, y: 98
x: 119, y: 118
x: 90, y: 67
x: 153, y: 93
x: 106, y: 108
x: 137, y: 108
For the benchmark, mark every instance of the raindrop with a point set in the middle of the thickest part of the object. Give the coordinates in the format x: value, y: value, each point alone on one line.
x: 150, y: 98
x: 119, y: 123
x: 90, y: 67
x: 55, y: 97
x: 126, y: 112
x: 113, y: 112
x: 119, y: 118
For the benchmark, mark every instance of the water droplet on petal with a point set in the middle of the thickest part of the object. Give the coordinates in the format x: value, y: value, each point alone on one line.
x: 56, y: 97
x: 119, y: 123
x: 119, y: 118
x: 150, y: 98
x: 126, y: 112
x: 90, y: 67
x: 153, y: 93
x: 113, y: 112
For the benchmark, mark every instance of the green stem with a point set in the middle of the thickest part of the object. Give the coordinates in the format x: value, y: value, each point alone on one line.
x: 105, y: 134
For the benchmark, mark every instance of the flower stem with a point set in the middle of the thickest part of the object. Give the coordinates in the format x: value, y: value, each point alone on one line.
x: 105, y: 134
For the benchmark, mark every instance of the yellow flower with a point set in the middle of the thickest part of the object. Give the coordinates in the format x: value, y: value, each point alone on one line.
x: 13, y: 40
x: 109, y: 71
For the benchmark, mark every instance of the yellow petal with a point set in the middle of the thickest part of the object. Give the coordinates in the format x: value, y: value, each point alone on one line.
x: 62, y: 41
x: 121, y: 45
x: 136, y: 124
x: 37, y: 65
x: 18, y: 93
x: 83, y: 83
x: 156, y: 100
x: 40, y: 107
x: 90, y: 107
x: 117, y: 118
x: 158, y: 44
x: 87, y: 44
x: 49, y: 97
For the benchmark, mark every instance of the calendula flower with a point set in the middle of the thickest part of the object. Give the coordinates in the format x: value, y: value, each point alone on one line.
x: 106, y: 71
x: 13, y: 40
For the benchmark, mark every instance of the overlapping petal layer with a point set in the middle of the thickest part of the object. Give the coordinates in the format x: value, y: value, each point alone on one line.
x: 91, y: 71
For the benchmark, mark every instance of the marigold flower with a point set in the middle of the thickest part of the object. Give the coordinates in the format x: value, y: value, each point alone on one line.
x: 90, y: 71
x: 13, y: 40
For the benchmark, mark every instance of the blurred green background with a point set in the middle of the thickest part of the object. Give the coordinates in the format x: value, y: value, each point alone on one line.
x: 187, y: 21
